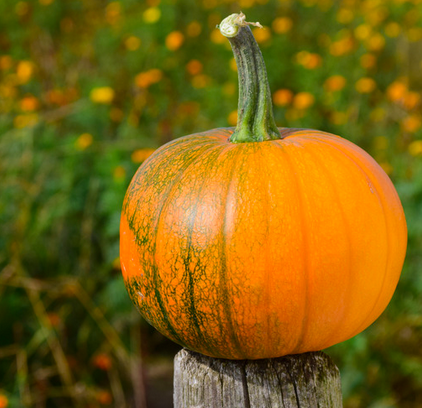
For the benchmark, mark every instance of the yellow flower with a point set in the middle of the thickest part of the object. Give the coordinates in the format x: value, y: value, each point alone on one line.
x: 45, y: 2
x: 375, y: 42
x: 229, y: 88
x: 414, y: 34
x: 392, y: 29
x: 119, y: 173
x: 415, y: 148
x: 232, y: 118
x: 200, y: 81
x: 103, y: 95
x: 335, y: 83
x: 84, y: 141
x: 303, y: 100
x: 282, y: 25
x: 387, y: 167
x: 132, y: 43
x: 193, y: 29
x: 282, y: 97
x: 365, y: 85
x: 345, y: 16
x: 217, y: 37
x: 24, y: 71
x: 339, y: 118
x: 147, y: 78
x: 140, y: 155
x: 261, y: 35
x: 174, y: 40
x: 363, y: 31
x: 28, y: 120
x: 151, y: 15
x: 380, y: 143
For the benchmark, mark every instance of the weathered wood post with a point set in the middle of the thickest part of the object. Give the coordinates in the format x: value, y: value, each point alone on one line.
x: 298, y: 381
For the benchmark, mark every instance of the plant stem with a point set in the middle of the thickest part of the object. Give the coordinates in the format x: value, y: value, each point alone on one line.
x: 255, y: 115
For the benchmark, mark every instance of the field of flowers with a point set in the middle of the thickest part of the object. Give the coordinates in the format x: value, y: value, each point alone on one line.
x: 88, y: 90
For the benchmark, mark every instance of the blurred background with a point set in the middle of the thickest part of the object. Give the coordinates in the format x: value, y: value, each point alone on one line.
x: 88, y: 90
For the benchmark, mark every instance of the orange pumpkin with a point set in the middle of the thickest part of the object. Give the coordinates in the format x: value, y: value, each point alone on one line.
x: 258, y: 242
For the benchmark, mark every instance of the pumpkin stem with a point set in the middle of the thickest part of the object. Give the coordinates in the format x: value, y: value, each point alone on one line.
x: 255, y: 121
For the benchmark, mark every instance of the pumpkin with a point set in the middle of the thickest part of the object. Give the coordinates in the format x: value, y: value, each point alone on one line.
x: 256, y: 241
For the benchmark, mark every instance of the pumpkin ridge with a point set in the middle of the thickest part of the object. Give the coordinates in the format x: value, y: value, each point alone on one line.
x: 169, y: 192
x: 387, y: 228
x: 223, y: 270
x: 152, y: 247
x: 363, y: 325
x: 303, y: 331
x: 194, y: 317
x: 322, y: 165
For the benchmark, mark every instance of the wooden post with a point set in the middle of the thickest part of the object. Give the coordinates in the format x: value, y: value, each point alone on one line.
x: 299, y: 381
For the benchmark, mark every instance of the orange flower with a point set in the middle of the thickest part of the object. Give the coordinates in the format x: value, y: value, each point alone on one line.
x: 194, y: 67
x: 396, y: 91
x: 140, y: 155
x: 412, y: 123
x: 6, y: 62
x: 102, y: 361
x: 282, y: 97
x: 308, y: 60
x: 4, y: 402
x: 303, y: 100
x: 343, y: 46
x: 29, y: 103
x: 232, y: 118
x: 174, y: 40
x: 335, y: 83
x: 104, y: 397
x: 367, y: 61
x: 132, y: 43
x: 147, y: 78
x: 54, y: 319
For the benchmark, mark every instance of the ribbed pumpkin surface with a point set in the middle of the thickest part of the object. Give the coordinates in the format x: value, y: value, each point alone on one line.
x: 258, y: 250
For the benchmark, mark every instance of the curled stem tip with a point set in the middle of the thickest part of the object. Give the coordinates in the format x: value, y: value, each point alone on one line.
x: 229, y: 27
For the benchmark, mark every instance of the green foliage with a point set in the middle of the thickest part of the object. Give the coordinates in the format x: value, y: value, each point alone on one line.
x: 89, y: 88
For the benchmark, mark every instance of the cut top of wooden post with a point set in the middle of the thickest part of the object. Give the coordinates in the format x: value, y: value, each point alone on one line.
x: 298, y: 381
